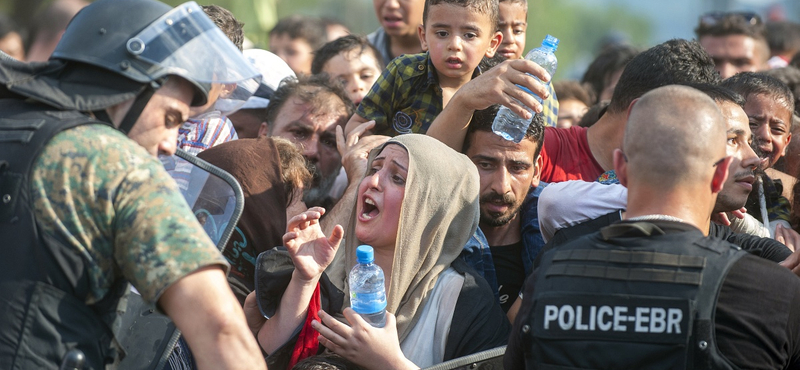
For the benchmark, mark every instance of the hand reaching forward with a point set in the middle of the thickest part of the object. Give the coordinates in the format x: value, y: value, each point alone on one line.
x: 361, y: 343
x: 355, y: 149
x: 310, y: 249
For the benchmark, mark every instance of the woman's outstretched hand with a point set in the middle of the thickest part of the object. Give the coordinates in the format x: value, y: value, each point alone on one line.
x: 361, y: 343
x: 310, y: 249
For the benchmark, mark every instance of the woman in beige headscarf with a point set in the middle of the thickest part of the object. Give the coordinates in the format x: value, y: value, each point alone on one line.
x: 417, y: 205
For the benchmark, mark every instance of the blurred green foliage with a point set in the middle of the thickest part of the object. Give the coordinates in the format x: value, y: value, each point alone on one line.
x: 579, y: 27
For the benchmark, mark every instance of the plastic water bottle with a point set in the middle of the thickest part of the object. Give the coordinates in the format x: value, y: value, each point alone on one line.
x: 367, y: 290
x: 507, y: 123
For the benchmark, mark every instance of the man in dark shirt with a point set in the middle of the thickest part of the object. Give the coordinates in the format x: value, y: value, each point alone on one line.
x: 508, y: 171
x: 671, y: 164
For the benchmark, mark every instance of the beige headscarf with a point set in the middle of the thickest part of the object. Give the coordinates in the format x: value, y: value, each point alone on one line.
x: 440, y: 212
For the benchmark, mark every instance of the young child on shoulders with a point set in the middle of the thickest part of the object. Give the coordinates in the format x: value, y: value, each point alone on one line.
x: 352, y: 61
x: 414, y: 89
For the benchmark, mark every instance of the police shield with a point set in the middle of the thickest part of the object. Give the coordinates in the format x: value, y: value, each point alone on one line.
x: 216, y: 199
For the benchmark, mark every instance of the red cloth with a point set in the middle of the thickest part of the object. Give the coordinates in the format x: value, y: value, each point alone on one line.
x: 566, y: 156
x: 307, y: 343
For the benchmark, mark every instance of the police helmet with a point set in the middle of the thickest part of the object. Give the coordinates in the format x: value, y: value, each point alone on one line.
x: 147, y: 41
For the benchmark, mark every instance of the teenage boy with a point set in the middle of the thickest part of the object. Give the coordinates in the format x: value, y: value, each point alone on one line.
x: 397, y: 34
x: 415, y: 88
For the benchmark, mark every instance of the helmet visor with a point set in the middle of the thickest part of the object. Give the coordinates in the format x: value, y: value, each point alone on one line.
x: 185, y: 42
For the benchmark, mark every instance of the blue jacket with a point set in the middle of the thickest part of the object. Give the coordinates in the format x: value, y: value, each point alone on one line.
x: 477, y: 254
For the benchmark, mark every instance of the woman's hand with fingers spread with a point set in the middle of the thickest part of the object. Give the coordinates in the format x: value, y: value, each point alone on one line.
x: 310, y: 249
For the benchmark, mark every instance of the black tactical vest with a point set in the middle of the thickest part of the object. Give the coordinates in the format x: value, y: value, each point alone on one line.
x: 629, y: 297
x: 43, y: 283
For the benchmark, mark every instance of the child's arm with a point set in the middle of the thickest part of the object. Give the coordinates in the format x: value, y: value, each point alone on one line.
x: 496, y: 86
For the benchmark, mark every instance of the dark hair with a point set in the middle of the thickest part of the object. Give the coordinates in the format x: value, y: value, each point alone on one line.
x: 720, y: 94
x: 571, y: 89
x: 340, y: 45
x: 612, y: 59
x: 783, y: 37
x: 759, y: 83
x: 791, y: 77
x: 731, y: 24
x: 675, y: 62
x: 593, y: 114
x: 490, y: 8
x: 314, y: 89
x: 325, y: 361
x: 310, y: 29
x: 225, y: 20
x: 482, y: 121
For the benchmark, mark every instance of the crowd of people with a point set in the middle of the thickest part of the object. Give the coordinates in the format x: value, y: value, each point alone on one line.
x: 648, y: 218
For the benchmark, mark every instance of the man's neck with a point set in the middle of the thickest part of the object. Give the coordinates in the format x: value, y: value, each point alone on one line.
x: 605, y: 136
x: 685, y: 205
x: 404, y: 45
x: 507, y: 234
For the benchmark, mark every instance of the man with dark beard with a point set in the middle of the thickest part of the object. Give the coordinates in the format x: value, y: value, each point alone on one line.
x: 306, y: 111
x: 509, y: 172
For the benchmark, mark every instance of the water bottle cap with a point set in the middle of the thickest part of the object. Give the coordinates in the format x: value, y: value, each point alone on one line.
x: 365, y: 254
x: 551, y: 42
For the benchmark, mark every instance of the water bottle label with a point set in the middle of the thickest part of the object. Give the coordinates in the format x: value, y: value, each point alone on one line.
x: 366, y: 303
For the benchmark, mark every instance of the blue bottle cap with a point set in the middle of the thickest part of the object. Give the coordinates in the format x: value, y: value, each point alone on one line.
x: 365, y: 254
x: 551, y: 42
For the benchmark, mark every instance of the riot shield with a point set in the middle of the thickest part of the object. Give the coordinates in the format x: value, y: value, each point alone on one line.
x: 216, y: 199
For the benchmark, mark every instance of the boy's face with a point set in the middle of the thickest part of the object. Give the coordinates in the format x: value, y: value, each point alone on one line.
x: 357, y: 71
x: 399, y: 18
x: 771, y: 123
x: 513, y: 25
x: 457, y: 39
x: 295, y: 52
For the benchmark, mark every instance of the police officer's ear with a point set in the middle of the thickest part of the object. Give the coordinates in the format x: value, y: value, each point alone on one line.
x: 630, y: 108
x: 720, y: 174
x: 621, y: 167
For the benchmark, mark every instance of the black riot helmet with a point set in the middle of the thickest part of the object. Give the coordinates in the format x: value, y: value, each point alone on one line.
x: 147, y: 41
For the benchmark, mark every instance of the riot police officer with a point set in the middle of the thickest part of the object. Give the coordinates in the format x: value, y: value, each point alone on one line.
x: 653, y: 291
x: 86, y: 206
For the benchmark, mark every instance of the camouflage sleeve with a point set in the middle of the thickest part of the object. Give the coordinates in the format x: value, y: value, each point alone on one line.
x: 117, y: 206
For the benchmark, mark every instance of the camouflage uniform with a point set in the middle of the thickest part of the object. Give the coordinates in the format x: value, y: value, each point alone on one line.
x: 118, y: 209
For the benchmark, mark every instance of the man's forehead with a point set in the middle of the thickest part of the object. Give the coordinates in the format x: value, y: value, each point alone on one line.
x: 490, y: 144
x: 297, y: 111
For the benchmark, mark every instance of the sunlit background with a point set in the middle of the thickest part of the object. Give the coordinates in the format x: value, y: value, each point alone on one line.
x: 581, y: 25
